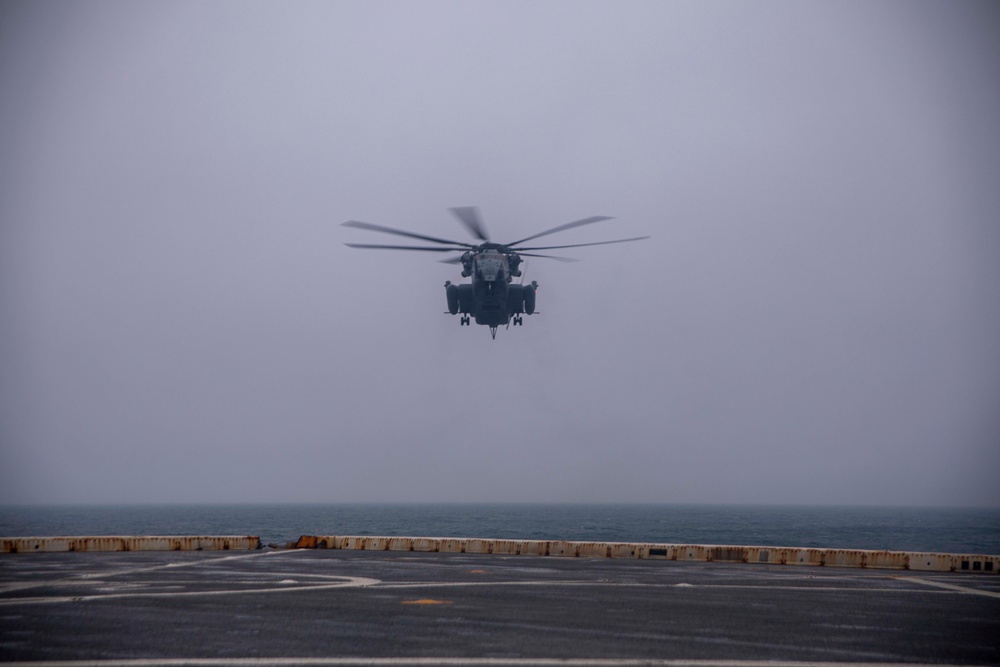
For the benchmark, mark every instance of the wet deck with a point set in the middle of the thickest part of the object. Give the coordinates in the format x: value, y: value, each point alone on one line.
x: 315, y: 606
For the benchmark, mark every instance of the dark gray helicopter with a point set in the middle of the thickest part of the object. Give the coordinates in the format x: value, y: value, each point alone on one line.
x: 492, y: 298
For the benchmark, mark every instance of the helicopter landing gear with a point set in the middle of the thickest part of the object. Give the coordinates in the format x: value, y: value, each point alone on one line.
x: 493, y: 332
x: 518, y: 320
x: 464, y: 322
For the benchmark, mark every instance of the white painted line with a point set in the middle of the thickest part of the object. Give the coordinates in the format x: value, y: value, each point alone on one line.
x: 428, y: 662
x: 471, y: 584
x: 951, y: 587
x: 334, y: 581
x: 185, y: 563
x: 760, y: 587
x: 349, y: 582
x: 100, y: 577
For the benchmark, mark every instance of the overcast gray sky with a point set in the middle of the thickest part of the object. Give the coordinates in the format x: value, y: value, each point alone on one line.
x: 816, y: 318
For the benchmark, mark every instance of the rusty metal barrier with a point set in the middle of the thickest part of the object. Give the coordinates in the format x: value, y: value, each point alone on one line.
x: 895, y: 560
x: 11, y: 545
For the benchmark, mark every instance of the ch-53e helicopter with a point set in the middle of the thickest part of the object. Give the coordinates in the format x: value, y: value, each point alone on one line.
x: 491, y: 298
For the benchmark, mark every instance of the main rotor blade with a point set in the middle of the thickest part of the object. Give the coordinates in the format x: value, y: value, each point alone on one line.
x: 580, y: 245
x: 399, y: 232
x: 458, y: 260
x: 402, y: 247
x: 568, y: 225
x: 469, y: 215
x: 561, y: 259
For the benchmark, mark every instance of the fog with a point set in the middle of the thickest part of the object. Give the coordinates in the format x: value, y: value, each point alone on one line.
x: 815, y: 319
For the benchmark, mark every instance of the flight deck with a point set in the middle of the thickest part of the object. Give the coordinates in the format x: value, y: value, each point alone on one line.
x: 338, y: 607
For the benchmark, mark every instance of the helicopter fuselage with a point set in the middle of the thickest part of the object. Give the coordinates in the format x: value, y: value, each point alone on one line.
x: 490, y: 298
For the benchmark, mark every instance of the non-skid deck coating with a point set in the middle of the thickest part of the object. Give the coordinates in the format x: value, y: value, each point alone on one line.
x: 314, y: 606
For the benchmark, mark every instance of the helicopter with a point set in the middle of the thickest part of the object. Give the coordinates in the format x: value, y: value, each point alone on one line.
x: 491, y: 298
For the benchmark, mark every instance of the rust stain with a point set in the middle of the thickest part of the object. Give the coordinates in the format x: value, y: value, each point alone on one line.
x: 790, y: 556
x: 125, y: 543
x: 306, y: 542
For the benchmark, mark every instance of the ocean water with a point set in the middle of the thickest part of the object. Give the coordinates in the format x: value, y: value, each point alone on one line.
x: 950, y: 530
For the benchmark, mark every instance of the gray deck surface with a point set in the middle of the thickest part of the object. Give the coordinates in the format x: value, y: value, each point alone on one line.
x: 332, y: 604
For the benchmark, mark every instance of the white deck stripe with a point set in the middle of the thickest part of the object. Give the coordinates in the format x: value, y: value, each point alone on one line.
x: 363, y: 582
x: 421, y: 662
x: 951, y: 587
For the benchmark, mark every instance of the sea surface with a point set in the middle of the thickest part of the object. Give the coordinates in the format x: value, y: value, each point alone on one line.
x: 948, y: 530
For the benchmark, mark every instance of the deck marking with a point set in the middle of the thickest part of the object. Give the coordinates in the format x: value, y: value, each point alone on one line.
x: 951, y: 587
x: 626, y: 584
x: 333, y: 581
x: 428, y: 662
x: 99, y: 578
x: 348, y: 582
